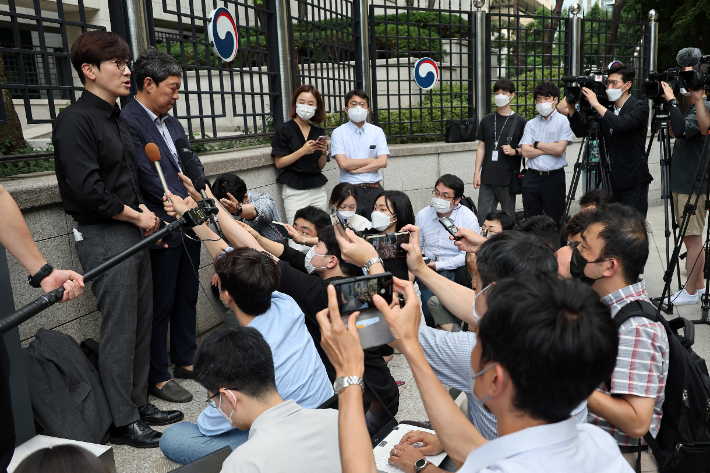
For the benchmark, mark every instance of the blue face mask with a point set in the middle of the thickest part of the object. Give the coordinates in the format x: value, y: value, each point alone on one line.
x: 472, y: 380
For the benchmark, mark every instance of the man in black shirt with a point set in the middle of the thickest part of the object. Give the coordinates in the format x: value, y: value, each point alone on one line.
x: 95, y: 163
x: 496, y: 158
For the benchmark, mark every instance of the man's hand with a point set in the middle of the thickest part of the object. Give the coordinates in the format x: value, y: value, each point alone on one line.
x: 196, y: 196
x: 477, y: 180
x: 403, y: 321
x: 405, y: 456
x: 354, y: 249
x: 430, y: 442
x: 696, y: 94
x: 591, y: 96
x: 668, y: 92
x: 215, y: 280
x: 340, y: 343
x: 176, y: 206
x: 147, y: 221
x: 415, y: 262
x: 231, y: 204
x: 470, y: 241
x: 509, y: 150
x: 73, y: 283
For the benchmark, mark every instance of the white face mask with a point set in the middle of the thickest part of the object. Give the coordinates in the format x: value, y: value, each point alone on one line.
x: 309, y: 257
x: 357, y: 114
x: 472, y: 380
x: 684, y: 92
x: 441, y: 206
x: 501, y: 100
x: 228, y: 418
x: 380, y: 220
x: 545, y: 108
x: 304, y: 111
x: 614, y: 94
x: 347, y: 214
x: 475, y: 314
x: 298, y: 246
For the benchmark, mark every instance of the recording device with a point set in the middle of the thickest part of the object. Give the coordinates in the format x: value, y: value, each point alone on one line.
x: 355, y: 294
x: 153, y: 154
x: 192, y: 171
x: 450, y: 227
x: 652, y: 89
x: 389, y: 245
x: 281, y: 228
x: 322, y: 138
x: 698, y: 78
x: 339, y: 220
x: 595, y: 81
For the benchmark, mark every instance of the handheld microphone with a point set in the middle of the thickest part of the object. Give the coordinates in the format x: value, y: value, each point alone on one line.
x: 153, y: 154
x: 192, y: 171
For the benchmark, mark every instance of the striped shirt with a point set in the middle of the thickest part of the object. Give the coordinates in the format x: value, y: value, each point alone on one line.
x: 642, y: 363
x: 266, y: 212
x: 552, y: 130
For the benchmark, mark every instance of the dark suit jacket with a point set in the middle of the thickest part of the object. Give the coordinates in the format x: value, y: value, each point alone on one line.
x: 626, y: 146
x: 144, y: 131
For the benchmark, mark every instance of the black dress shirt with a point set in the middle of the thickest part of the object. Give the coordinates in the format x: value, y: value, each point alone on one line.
x: 304, y: 173
x: 95, y: 160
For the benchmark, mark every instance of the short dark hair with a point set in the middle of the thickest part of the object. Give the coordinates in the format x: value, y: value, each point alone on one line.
x: 563, y: 346
x: 399, y: 204
x: 341, y: 192
x: 504, y: 84
x: 512, y: 253
x: 546, y: 89
x: 507, y: 221
x: 628, y: 74
x: 157, y: 65
x: 231, y: 183
x: 94, y: 47
x: 250, y: 276
x: 543, y: 228
x: 318, y: 217
x: 327, y: 236
x: 62, y: 459
x: 453, y: 182
x: 238, y: 359
x: 600, y: 198
x: 319, y: 117
x: 625, y: 238
x: 577, y: 224
x: 357, y: 93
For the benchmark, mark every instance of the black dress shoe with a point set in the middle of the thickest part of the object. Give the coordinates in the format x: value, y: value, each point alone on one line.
x: 136, y: 435
x: 180, y: 372
x: 171, y: 392
x: 151, y: 415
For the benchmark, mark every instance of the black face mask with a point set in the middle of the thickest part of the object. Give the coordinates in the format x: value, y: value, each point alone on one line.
x: 577, y: 265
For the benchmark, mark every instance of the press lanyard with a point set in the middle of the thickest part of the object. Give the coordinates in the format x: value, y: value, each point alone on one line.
x: 495, y: 128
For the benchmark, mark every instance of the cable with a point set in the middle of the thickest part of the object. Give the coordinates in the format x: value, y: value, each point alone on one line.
x: 197, y: 275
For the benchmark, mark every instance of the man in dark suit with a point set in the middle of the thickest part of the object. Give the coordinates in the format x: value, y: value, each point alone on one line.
x: 174, y: 269
x: 625, y: 128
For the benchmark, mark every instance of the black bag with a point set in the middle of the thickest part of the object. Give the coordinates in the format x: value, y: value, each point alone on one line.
x: 683, y: 441
x: 468, y: 203
x: 516, y: 181
x: 459, y: 131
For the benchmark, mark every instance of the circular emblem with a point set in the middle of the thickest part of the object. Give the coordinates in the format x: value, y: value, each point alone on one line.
x: 426, y: 73
x: 222, y: 31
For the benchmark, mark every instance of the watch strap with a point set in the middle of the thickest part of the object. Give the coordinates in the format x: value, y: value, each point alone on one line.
x: 37, y: 278
x: 375, y: 260
x: 535, y: 144
x: 345, y: 381
x: 421, y: 464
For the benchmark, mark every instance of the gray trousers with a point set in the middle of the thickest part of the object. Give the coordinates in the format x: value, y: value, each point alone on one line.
x: 490, y: 196
x: 124, y: 296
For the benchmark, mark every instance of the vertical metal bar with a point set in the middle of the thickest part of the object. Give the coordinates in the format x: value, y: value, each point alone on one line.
x: 575, y: 54
x: 137, y: 25
x: 481, y: 73
x: 471, y: 66
x: 276, y: 96
x: 365, y: 41
x: 652, y: 29
x: 373, y: 58
x: 487, y: 79
x: 282, y: 9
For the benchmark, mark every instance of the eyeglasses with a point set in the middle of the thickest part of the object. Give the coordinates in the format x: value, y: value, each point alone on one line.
x: 357, y: 104
x: 614, y: 83
x: 122, y: 64
x: 436, y: 194
x: 211, y: 401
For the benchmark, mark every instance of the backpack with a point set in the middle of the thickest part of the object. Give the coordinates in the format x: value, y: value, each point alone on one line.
x: 468, y: 203
x: 683, y: 440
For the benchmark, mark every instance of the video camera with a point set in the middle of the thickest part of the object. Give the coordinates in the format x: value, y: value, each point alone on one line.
x: 697, y: 79
x: 651, y: 88
x: 595, y: 81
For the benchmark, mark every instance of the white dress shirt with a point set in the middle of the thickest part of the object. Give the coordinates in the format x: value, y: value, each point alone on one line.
x: 434, y: 239
x: 164, y: 132
x: 547, y: 131
x: 355, y: 142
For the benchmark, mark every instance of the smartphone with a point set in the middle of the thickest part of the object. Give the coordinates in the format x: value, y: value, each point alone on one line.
x: 389, y: 245
x: 322, y: 138
x: 281, y: 228
x: 450, y: 227
x: 339, y: 220
x: 356, y: 293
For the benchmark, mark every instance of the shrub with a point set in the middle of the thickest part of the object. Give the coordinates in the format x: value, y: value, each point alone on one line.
x: 394, y: 40
x: 443, y: 24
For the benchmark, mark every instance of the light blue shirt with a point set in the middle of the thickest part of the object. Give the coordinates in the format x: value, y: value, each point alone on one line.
x: 300, y: 374
x: 164, y: 132
x: 354, y: 142
x: 564, y: 447
x: 547, y: 131
x: 434, y: 239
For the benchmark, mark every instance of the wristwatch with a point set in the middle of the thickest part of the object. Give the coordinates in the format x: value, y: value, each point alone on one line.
x: 517, y: 153
x: 343, y: 382
x: 43, y: 272
x: 374, y: 260
x: 420, y: 464
x: 535, y: 144
x: 239, y: 210
x: 672, y: 102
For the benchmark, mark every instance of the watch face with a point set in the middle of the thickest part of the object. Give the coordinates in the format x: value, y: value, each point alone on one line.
x: 419, y: 464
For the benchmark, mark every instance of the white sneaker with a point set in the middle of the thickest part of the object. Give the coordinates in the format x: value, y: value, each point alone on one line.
x: 701, y: 292
x: 683, y: 298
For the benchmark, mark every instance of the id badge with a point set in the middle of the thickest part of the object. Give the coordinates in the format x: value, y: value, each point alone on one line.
x: 494, y: 156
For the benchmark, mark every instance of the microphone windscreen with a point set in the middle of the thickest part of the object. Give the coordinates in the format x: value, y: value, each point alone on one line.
x: 152, y: 152
x: 688, y: 57
x: 188, y: 164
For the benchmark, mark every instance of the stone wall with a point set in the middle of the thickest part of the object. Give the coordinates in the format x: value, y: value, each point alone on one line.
x: 412, y: 169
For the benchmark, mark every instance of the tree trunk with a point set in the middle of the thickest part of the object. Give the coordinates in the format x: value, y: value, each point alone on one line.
x: 613, y: 31
x: 550, y: 34
x: 11, y: 131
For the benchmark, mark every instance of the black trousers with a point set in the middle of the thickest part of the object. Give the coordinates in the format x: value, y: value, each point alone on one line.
x: 7, y: 432
x: 626, y: 197
x: 544, y: 193
x: 366, y: 197
x: 175, y: 289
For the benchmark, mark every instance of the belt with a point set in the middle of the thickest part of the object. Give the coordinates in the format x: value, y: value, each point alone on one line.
x: 632, y: 448
x: 547, y: 173
x: 371, y: 185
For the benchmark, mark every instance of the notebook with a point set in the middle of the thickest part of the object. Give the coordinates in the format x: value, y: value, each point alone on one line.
x: 211, y: 463
x: 382, y: 450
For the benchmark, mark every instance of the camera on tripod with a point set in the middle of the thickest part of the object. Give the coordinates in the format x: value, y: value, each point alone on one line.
x: 595, y: 81
x: 651, y: 88
x: 697, y: 79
